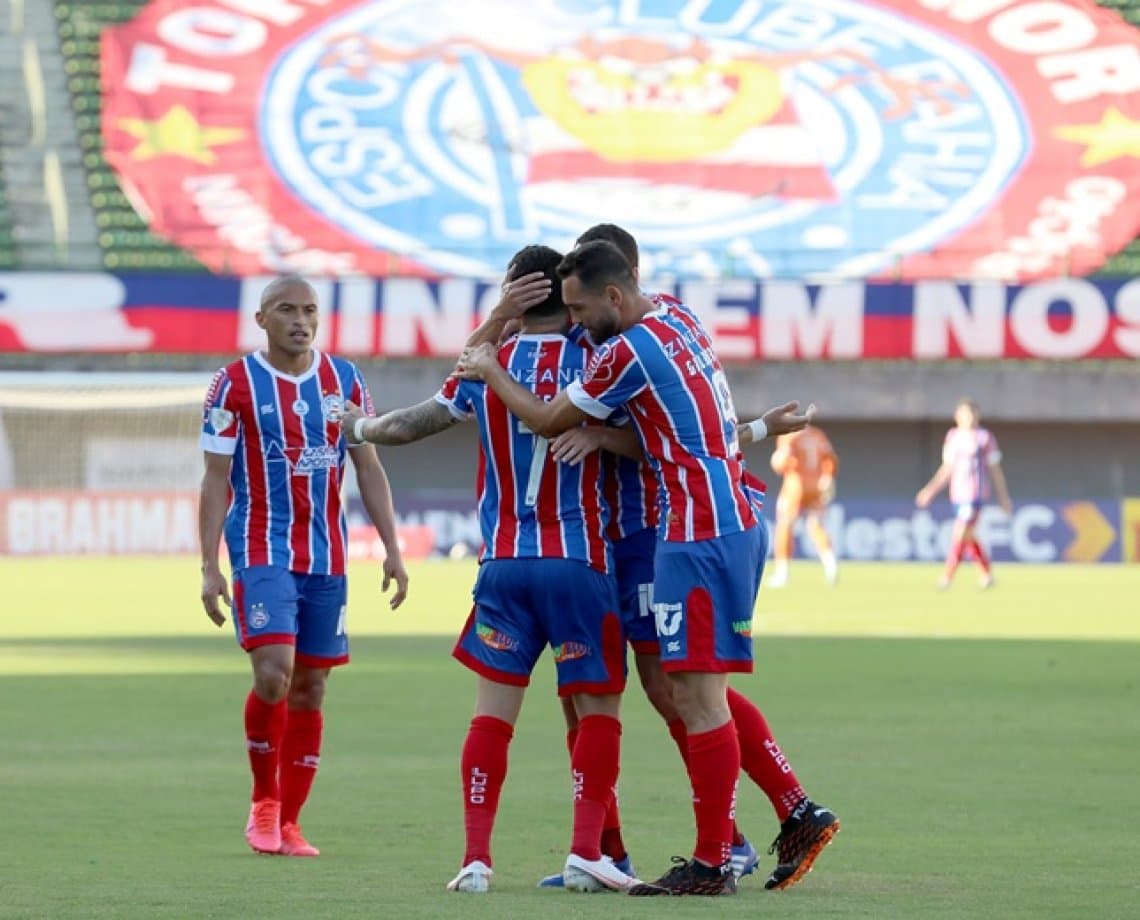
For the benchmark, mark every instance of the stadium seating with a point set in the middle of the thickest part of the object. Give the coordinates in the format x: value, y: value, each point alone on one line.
x: 123, y: 240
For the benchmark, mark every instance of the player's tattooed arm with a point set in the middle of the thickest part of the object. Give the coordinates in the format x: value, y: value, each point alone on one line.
x: 400, y: 426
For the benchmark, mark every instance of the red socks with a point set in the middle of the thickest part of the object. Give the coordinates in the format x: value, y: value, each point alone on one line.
x: 761, y: 758
x: 300, y: 757
x: 980, y: 556
x: 264, y: 727
x: 483, y: 769
x: 594, y: 766
x: 714, y: 767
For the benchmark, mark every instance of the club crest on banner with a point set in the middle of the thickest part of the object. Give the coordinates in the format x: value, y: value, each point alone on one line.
x: 906, y: 139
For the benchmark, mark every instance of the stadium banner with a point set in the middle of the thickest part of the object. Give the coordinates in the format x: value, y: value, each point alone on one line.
x: 444, y: 522
x: 132, y: 523
x: 880, y: 530
x: 902, y: 139
x: 1059, y: 319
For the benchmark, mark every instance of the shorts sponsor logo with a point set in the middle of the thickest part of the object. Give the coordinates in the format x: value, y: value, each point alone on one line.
x: 493, y: 638
x: 258, y: 616
x: 742, y: 627
x: 669, y: 617
x: 793, y: 138
x: 569, y: 651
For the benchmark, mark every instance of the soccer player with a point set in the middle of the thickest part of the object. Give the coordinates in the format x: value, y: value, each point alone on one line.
x: 658, y: 362
x: 632, y: 491
x: 545, y: 577
x: 808, y: 463
x: 275, y: 459
x: 970, y: 461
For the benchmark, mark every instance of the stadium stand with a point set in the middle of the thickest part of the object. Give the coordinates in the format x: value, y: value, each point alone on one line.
x: 60, y: 203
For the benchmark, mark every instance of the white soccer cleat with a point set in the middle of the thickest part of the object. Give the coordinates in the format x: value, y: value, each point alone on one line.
x: 474, y: 878
x: 589, y: 875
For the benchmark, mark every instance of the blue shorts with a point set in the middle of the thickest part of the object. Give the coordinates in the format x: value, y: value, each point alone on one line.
x: 703, y: 595
x: 967, y: 512
x: 273, y: 606
x: 633, y: 565
x: 522, y: 605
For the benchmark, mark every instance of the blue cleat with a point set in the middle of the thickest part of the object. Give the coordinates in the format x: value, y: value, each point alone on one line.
x: 623, y: 864
x: 744, y: 859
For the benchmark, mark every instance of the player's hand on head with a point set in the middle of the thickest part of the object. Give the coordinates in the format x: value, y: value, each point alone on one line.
x: 213, y: 587
x: 473, y: 362
x: 576, y: 444
x: 394, y: 571
x: 522, y: 293
x: 784, y: 420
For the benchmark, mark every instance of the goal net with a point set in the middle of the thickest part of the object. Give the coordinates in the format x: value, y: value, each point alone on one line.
x: 99, y: 462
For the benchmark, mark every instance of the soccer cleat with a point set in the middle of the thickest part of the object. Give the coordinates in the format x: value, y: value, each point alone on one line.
x: 986, y: 582
x: 943, y: 583
x: 474, y: 878
x: 744, y: 859
x: 557, y: 881
x: 263, y: 830
x: 591, y: 875
x: 802, y: 838
x: 689, y: 877
x: 293, y: 842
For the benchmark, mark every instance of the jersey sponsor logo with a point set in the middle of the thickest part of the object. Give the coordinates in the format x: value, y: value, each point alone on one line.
x: 307, y: 460
x: 909, y: 138
x: 601, y: 368
x: 220, y: 419
x: 300, y: 407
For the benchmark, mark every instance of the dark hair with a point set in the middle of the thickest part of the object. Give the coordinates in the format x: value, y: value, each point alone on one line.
x: 543, y: 259
x: 596, y: 264
x: 612, y: 233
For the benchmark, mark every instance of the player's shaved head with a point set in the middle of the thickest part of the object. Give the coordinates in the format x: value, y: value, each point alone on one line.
x: 278, y: 286
x: 596, y: 264
x: 612, y: 233
x: 531, y: 259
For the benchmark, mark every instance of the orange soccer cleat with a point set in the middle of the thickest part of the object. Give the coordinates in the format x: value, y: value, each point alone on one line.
x: 263, y: 832
x: 293, y: 842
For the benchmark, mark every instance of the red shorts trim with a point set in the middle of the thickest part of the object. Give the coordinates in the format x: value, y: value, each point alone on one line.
x: 472, y: 663
x: 315, y: 661
x: 250, y: 643
x: 645, y: 647
x: 704, y: 666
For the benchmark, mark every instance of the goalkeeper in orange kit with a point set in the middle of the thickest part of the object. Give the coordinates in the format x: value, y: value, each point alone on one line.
x: 808, y: 464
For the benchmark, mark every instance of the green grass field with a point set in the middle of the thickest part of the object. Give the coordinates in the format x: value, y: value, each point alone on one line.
x: 982, y: 751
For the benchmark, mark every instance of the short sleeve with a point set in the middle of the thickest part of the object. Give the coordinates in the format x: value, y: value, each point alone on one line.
x: 948, y: 447
x: 614, y: 376
x: 990, y: 449
x: 457, y: 395
x: 360, y: 396
x: 220, y: 420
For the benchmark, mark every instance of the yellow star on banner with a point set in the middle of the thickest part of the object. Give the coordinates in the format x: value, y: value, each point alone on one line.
x: 178, y: 134
x: 1115, y: 136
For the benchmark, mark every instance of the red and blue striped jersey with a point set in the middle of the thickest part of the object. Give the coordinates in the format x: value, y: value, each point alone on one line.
x: 970, y: 452
x: 288, y: 453
x: 665, y: 372
x: 531, y: 506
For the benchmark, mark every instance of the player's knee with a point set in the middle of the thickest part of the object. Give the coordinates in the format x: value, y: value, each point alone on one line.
x: 271, y: 683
